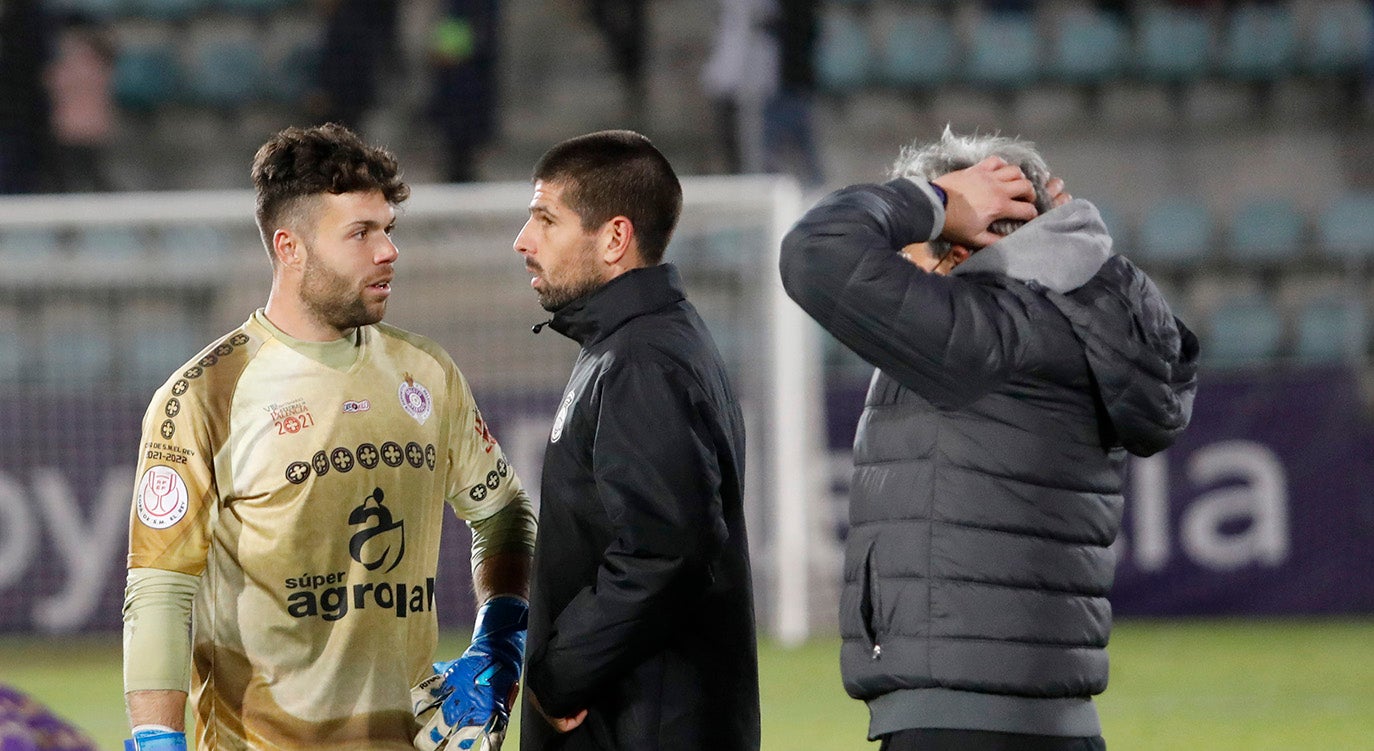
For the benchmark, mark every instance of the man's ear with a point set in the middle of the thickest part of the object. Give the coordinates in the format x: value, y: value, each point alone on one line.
x: 618, y: 242
x: 288, y: 248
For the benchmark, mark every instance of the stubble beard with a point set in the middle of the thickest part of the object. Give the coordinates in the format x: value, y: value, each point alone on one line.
x: 333, y: 298
x: 583, y: 279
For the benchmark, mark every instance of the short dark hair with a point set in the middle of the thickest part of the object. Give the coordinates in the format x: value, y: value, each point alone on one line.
x: 299, y: 163
x: 617, y: 173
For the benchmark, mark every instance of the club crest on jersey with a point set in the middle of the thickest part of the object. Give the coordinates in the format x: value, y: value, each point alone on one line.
x: 162, y: 497
x: 562, y: 417
x: 415, y: 399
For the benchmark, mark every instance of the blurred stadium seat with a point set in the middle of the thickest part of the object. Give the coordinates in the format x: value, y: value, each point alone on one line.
x: 843, y: 53
x: 102, y: 10
x: 1177, y: 232
x: 1089, y: 48
x: 1260, y: 43
x: 109, y: 245
x: 226, y: 74
x: 1243, y: 331
x: 294, y: 73
x: 254, y: 7
x: 75, y: 345
x: 167, y: 10
x: 146, y: 76
x: 1331, y: 329
x: 1265, y: 231
x: 11, y: 348
x: 192, y: 244
x: 1345, y: 228
x: 1339, y: 38
x: 1004, y: 51
x: 918, y: 50
x: 164, y: 341
x: 1173, y: 44
x: 25, y: 246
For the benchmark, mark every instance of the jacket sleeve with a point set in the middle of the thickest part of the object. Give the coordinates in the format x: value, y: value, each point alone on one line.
x: 659, y: 478
x: 943, y: 337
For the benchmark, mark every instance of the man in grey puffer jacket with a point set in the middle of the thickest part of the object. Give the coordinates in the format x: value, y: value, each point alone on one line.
x: 1018, y: 363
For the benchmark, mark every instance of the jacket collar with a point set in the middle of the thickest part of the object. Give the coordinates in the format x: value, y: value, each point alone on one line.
x: 595, y: 316
x: 1061, y: 249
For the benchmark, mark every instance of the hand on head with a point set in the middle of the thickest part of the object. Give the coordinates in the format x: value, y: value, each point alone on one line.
x: 988, y: 191
x: 1058, y: 196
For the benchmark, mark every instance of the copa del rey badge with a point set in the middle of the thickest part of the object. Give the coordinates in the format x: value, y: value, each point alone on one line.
x: 415, y: 399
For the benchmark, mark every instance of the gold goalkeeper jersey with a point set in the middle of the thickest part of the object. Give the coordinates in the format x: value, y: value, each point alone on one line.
x: 305, y: 484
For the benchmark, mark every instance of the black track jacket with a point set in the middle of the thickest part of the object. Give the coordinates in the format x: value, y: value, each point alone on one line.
x: 642, y: 606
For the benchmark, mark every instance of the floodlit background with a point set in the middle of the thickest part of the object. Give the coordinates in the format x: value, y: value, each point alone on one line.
x: 1227, y: 144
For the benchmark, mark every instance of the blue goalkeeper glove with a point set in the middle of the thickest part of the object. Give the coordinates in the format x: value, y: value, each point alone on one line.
x: 155, y: 738
x: 470, y: 697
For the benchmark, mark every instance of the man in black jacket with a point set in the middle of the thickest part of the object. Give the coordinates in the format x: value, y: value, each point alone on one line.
x: 1018, y: 363
x: 641, y: 612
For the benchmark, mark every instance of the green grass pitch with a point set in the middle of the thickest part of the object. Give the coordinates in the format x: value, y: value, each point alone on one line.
x: 1224, y: 685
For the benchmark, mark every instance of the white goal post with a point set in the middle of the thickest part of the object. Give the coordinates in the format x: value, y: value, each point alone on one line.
x: 124, y: 263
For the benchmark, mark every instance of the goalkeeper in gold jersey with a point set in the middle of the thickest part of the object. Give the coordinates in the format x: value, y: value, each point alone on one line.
x: 291, y: 486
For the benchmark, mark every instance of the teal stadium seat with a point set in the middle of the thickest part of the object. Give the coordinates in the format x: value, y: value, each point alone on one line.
x: 1176, y: 232
x: 167, y: 10
x: 1116, y: 226
x: 842, y: 53
x: 75, y: 349
x: 1265, y: 231
x: 1345, y: 229
x: 109, y: 245
x: 1260, y: 43
x: 146, y: 77
x: 193, y: 244
x: 1090, y: 47
x: 1004, y: 51
x: 1243, y: 331
x: 294, y: 73
x: 37, y: 245
x: 227, y: 74
x: 11, y: 351
x: 1339, y: 38
x: 1331, y: 330
x: 100, y: 10
x: 1173, y: 44
x: 163, y: 343
x: 254, y: 7
x: 919, y: 51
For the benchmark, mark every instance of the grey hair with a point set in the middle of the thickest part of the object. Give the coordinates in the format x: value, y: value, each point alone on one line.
x: 930, y: 160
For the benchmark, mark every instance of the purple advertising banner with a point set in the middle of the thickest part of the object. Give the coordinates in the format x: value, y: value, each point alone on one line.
x: 1265, y: 506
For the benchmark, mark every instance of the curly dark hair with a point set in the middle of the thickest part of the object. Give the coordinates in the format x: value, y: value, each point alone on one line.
x: 299, y: 163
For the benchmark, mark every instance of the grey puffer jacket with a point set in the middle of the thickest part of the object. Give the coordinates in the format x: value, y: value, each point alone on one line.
x: 989, y: 457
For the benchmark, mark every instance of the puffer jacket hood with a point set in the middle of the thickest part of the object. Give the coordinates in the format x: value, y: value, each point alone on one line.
x: 1143, y: 358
